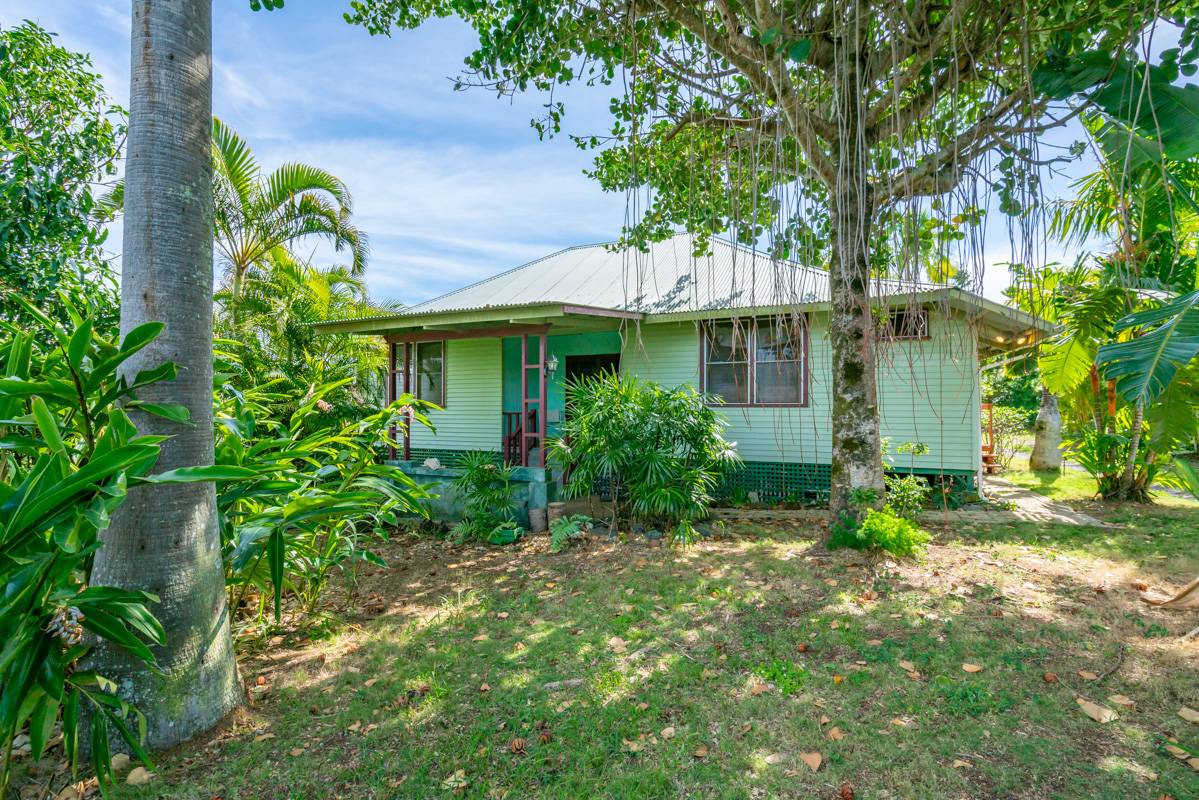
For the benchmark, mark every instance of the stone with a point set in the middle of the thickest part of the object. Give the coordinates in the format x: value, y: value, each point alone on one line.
x: 653, y: 534
x: 138, y: 776
x: 119, y: 763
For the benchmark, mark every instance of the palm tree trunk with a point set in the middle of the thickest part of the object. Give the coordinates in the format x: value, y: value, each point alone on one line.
x: 164, y: 538
x: 1128, y: 478
x: 1047, y: 445
x: 856, y: 443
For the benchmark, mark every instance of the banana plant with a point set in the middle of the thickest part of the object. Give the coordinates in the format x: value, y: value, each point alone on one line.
x: 69, y: 452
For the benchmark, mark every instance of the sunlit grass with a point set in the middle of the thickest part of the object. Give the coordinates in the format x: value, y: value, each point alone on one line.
x: 709, y: 674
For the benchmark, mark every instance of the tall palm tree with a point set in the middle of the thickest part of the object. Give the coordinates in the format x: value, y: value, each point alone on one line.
x: 275, y: 312
x: 257, y: 214
x: 164, y: 539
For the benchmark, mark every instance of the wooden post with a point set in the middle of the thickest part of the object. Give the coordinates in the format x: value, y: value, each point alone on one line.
x: 542, y: 415
x: 391, y: 393
x: 524, y: 400
x: 408, y: 391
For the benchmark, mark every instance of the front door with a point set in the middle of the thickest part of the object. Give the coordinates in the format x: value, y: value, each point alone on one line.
x: 586, y: 366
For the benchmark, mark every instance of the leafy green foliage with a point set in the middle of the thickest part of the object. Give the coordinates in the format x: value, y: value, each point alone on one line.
x: 68, y: 455
x: 879, y: 530
x: 1008, y: 425
x: 307, y: 498
x: 490, y: 497
x: 907, y: 495
x: 1166, y: 340
x: 58, y: 136
x: 1104, y: 455
x: 565, y: 530
x: 658, y: 451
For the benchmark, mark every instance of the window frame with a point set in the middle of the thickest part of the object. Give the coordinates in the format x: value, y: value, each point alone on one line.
x: 415, y: 365
x: 752, y: 324
x: 887, y: 331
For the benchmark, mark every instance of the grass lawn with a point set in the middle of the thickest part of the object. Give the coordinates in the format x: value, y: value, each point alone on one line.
x: 621, y: 671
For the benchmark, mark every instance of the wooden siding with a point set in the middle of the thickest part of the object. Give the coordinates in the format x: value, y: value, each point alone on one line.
x: 474, y: 393
x: 928, y: 392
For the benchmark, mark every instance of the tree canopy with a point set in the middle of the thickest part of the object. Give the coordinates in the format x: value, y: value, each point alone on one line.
x: 59, y: 135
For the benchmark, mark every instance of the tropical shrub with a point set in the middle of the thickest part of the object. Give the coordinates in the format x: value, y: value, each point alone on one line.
x: 316, y: 498
x: 659, y: 452
x: 879, y: 530
x: 490, y: 498
x: 68, y: 454
x: 906, y: 495
x: 1105, y: 456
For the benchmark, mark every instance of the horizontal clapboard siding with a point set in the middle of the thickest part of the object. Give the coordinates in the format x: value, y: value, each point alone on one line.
x: 928, y: 392
x: 474, y: 392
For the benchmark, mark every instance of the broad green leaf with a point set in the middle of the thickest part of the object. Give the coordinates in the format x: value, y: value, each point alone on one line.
x: 140, y: 336
x: 47, y: 423
x: 172, y: 411
x: 1167, y: 341
x: 213, y: 472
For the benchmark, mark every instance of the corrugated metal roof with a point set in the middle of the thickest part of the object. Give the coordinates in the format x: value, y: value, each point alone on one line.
x: 668, y: 278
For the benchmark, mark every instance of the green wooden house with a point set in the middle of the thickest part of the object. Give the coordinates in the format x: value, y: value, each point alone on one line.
x: 496, y: 356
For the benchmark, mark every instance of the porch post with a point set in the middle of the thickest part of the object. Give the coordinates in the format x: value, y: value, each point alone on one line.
x: 391, y: 393
x: 408, y: 391
x: 524, y: 399
x: 542, y: 413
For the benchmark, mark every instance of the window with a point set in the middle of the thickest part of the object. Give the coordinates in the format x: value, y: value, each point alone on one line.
x: 905, y: 323
x: 757, y: 362
x: 428, y: 359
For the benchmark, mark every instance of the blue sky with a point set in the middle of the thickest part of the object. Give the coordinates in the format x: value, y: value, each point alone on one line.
x: 450, y: 186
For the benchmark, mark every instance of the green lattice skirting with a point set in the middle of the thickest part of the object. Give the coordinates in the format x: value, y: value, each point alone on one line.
x: 771, y: 482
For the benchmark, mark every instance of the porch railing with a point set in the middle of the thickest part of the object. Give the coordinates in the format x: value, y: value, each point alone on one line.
x: 513, y: 430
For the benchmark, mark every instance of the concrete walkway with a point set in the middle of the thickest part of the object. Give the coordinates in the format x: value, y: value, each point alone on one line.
x: 1033, y: 507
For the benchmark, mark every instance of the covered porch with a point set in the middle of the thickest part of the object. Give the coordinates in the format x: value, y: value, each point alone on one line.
x: 516, y: 365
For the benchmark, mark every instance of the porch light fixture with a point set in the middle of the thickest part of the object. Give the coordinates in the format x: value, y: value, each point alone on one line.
x: 551, y: 365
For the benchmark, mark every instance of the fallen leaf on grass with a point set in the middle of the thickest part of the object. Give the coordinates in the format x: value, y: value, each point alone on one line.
x: 836, y: 734
x: 482, y: 637
x: 296, y: 752
x: 1189, y: 714
x: 617, y: 645
x: 847, y: 791
x: 1097, y: 712
x: 1049, y: 677
x: 668, y: 732
x: 746, y: 728
x: 262, y: 737
x: 369, y: 682
x: 960, y: 764
x: 775, y: 758
x: 759, y: 688
x: 631, y: 746
x: 972, y: 668
x: 838, y: 680
x: 456, y: 781
x: 1121, y: 700
x: 825, y: 719
x: 484, y: 688
x: 701, y: 751
x: 1086, y: 675
x: 874, y: 642
x: 813, y: 760
x: 900, y: 723
x: 907, y: 666
x: 502, y: 615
